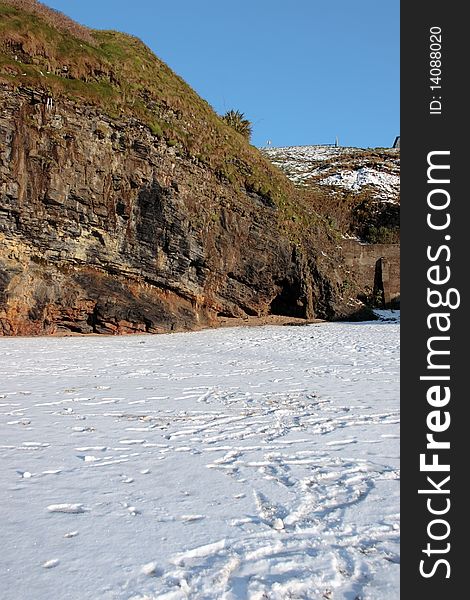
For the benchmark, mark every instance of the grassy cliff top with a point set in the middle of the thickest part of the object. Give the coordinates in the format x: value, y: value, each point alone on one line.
x: 43, y: 49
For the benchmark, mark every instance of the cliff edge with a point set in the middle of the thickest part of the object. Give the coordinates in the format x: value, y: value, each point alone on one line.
x: 128, y: 205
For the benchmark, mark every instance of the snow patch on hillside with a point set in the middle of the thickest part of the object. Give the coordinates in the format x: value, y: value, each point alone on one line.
x: 347, y: 168
x: 388, y: 183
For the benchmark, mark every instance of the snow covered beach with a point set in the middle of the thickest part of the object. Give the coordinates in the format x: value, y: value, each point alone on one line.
x: 256, y: 463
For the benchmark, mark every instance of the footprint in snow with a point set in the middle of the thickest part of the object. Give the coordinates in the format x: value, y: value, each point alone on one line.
x: 270, y: 513
x: 25, y: 474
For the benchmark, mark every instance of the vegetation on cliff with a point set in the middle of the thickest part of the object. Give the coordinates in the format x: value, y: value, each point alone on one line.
x: 356, y: 189
x: 42, y: 49
x: 237, y: 121
x: 146, y: 210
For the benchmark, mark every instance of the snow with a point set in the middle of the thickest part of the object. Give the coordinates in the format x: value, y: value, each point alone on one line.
x: 258, y: 463
x: 328, y: 165
x: 387, y: 314
x: 66, y: 508
x: 355, y: 180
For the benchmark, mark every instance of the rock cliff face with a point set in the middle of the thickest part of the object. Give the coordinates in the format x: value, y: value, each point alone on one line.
x: 104, y: 227
x: 358, y: 191
x: 128, y: 205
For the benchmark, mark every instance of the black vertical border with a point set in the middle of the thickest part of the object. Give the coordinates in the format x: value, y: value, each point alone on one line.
x: 422, y: 132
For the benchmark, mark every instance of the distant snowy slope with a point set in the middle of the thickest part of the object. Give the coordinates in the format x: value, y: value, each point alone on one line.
x: 347, y: 168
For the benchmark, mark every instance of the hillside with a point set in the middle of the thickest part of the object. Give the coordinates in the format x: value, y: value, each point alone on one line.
x: 128, y: 205
x: 116, y: 72
x: 357, y: 189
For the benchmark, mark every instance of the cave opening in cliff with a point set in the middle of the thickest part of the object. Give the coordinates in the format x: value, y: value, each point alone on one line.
x: 287, y: 303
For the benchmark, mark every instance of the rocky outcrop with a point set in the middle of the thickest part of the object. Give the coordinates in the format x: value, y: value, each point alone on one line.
x: 107, y: 228
x: 373, y: 270
x: 128, y: 205
x: 358, y: 191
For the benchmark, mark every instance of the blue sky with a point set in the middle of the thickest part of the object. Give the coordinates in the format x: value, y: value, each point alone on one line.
x: 303, y: 71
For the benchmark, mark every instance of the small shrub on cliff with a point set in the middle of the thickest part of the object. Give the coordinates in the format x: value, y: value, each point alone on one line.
x: 381, y: 235
x: 156, y: 129
x: 237, y: 121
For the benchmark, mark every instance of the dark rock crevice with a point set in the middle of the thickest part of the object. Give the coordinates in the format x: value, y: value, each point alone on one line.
x: 288, y: 302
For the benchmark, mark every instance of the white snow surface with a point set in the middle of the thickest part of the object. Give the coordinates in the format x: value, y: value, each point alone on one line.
x: 355, y: 180
x: 257, y: 463
x: 326, y: 166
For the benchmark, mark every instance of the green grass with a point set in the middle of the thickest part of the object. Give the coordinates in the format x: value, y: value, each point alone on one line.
x: 119, y: 74
x: 382, y: 235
